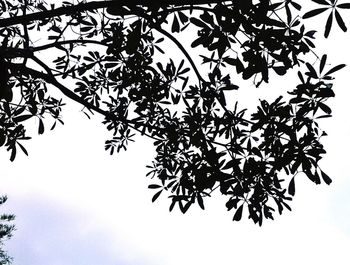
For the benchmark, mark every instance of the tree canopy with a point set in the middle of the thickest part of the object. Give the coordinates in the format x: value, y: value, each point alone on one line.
x: 113, y: 58
x: 6, y: 229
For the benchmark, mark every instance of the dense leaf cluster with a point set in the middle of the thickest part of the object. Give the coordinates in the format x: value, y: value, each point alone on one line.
x: 112, y: 59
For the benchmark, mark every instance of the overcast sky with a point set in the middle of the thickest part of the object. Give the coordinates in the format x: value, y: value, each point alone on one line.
x: 75, y: 204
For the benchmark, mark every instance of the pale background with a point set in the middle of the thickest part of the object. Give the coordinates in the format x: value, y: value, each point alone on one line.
x: 75, y: 204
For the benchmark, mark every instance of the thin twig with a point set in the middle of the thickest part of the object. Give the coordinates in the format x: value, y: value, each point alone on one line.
x: 55, y: 44
x: 49, y: 77
x: 183, y: 50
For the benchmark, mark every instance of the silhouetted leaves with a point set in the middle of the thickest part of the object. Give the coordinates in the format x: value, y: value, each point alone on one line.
x: 340, y: 21
x: 120, y: 68
x: 41, y: 127
x: 334, y: 69
x: 323, y: 62
x: 328, y: 25
x: 345, y: 5
x: 291, y: 187
x: 156, y: 195
x: 326, y: 178
x: 315, y: 12
x: 333, y: 7
x: 238, y: 214
x: 200, y: 201
x: 176, y: 25
x: 321, y: 2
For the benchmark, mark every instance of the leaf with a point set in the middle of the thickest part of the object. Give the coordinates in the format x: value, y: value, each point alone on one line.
x: 13, y: 153
x: 291, y: 187
x: 56, y: 29
x: 86, y: 29
x: 53, y: 126
x: 340, y: 21
x: 326, y: 178
x: 328, y: 25
x: 2, y: 137
x: 286, y: 205
x: 296, y: 165
x: 154, y: 186
x: 183, y: 17
x: 311, y: 34
x: 301, y: 77
x: 323, y: 62
x: 230, y: 87
x: 22, y: 118
x: 159, y: 40
x: 41, y: 128
x: 200, y: 201
x: 172, y: 205
x: 155, y: 196
x: 314, y: 12
x: 275, y: 5
x: 159, y: 49
x: 238, y: 214
x: 232, y: 203
x: 296, y: 5
x: 323, y: 116
x: 321, y: 2
x: 175, y: 26
x: 280, y: 70
x: 345, y: 5
x: 312, y: 72
x: 336, y: 68
x: 52, y: 38
x: 22, y: 148
x: 198, y: 23
x: 289, y: 14
x: 325, y: 108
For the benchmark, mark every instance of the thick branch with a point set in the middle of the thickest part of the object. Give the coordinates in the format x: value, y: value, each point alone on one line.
x: 52, y: 80
x: 69, y: 10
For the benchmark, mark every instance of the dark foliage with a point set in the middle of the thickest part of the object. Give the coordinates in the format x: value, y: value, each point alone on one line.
x: 6, y: 229
x: 111, y: 59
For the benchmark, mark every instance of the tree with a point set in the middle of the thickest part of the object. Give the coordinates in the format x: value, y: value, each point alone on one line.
x: 6, y: 230
x: 111, y: 59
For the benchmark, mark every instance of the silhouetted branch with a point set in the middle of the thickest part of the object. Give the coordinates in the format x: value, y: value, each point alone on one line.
x: 82, y: 7
x: 183, y: 50
x: 205, y: 145
x: 49, y: 78
x: 59, y: 43
x: 25, y: 30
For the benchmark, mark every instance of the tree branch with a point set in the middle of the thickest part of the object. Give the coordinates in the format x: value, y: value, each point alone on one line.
x: 55, y: 44
x: 26, y: 33
x: 183, y: 50
x: 49, y: 78
x: 69, y: 10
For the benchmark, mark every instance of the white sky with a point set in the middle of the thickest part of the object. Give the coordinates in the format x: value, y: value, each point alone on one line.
x: 75, y: 204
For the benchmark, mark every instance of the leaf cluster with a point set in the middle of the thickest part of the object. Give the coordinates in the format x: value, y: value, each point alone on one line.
x: 112, y: 59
